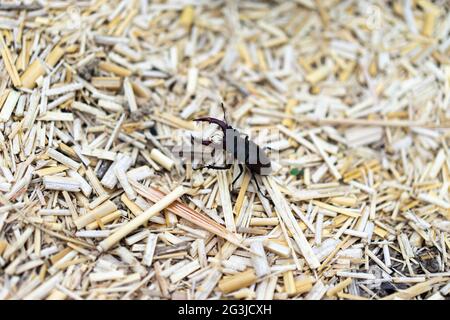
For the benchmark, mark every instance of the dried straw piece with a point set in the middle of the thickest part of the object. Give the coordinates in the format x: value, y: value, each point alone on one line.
x: 129, y: 94
x: 339, y: 287
x: 113, y: 83
x: 287, y: 217
x: 106, y: 276
x: 104, y: 220
x: 161, y: 159
x: 259, y: 261
x: 187, y: 17
x: 58, y: 156
x: 9, y: 105
x: 114, y: 68
x: 123, y: 180
x: 45, y: 288
x: 237, y: 281
x: 277, y: 248
x: 61, y: 183
x: 36, y: 68
x: 10, y: 67
x: 87, y: 109
x: 141, y: 219
x: 226, y: 201
x: 187, y: 213
x: 185, y: 271
x: 18, y: 244
x: 150, y: 247
x: 289, y: 283
x: 99, y: 212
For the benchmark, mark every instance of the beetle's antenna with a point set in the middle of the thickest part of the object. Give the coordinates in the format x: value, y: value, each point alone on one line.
x: 222, y: 124
x: 224, y: 113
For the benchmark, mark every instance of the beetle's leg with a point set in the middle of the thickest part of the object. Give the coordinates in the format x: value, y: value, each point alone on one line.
x: 224, y: 113
x: 204, y: 142
x: 257, y: 186
x: 225, y: 167
x: 241, y: 170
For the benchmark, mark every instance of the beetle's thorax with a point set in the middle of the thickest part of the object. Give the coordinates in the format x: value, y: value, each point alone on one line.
x: 246, y: 152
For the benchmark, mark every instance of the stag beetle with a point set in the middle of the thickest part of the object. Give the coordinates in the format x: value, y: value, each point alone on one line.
x: 245, y: 151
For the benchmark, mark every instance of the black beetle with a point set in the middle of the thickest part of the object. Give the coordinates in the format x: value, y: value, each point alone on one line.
x: 241, y: 148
